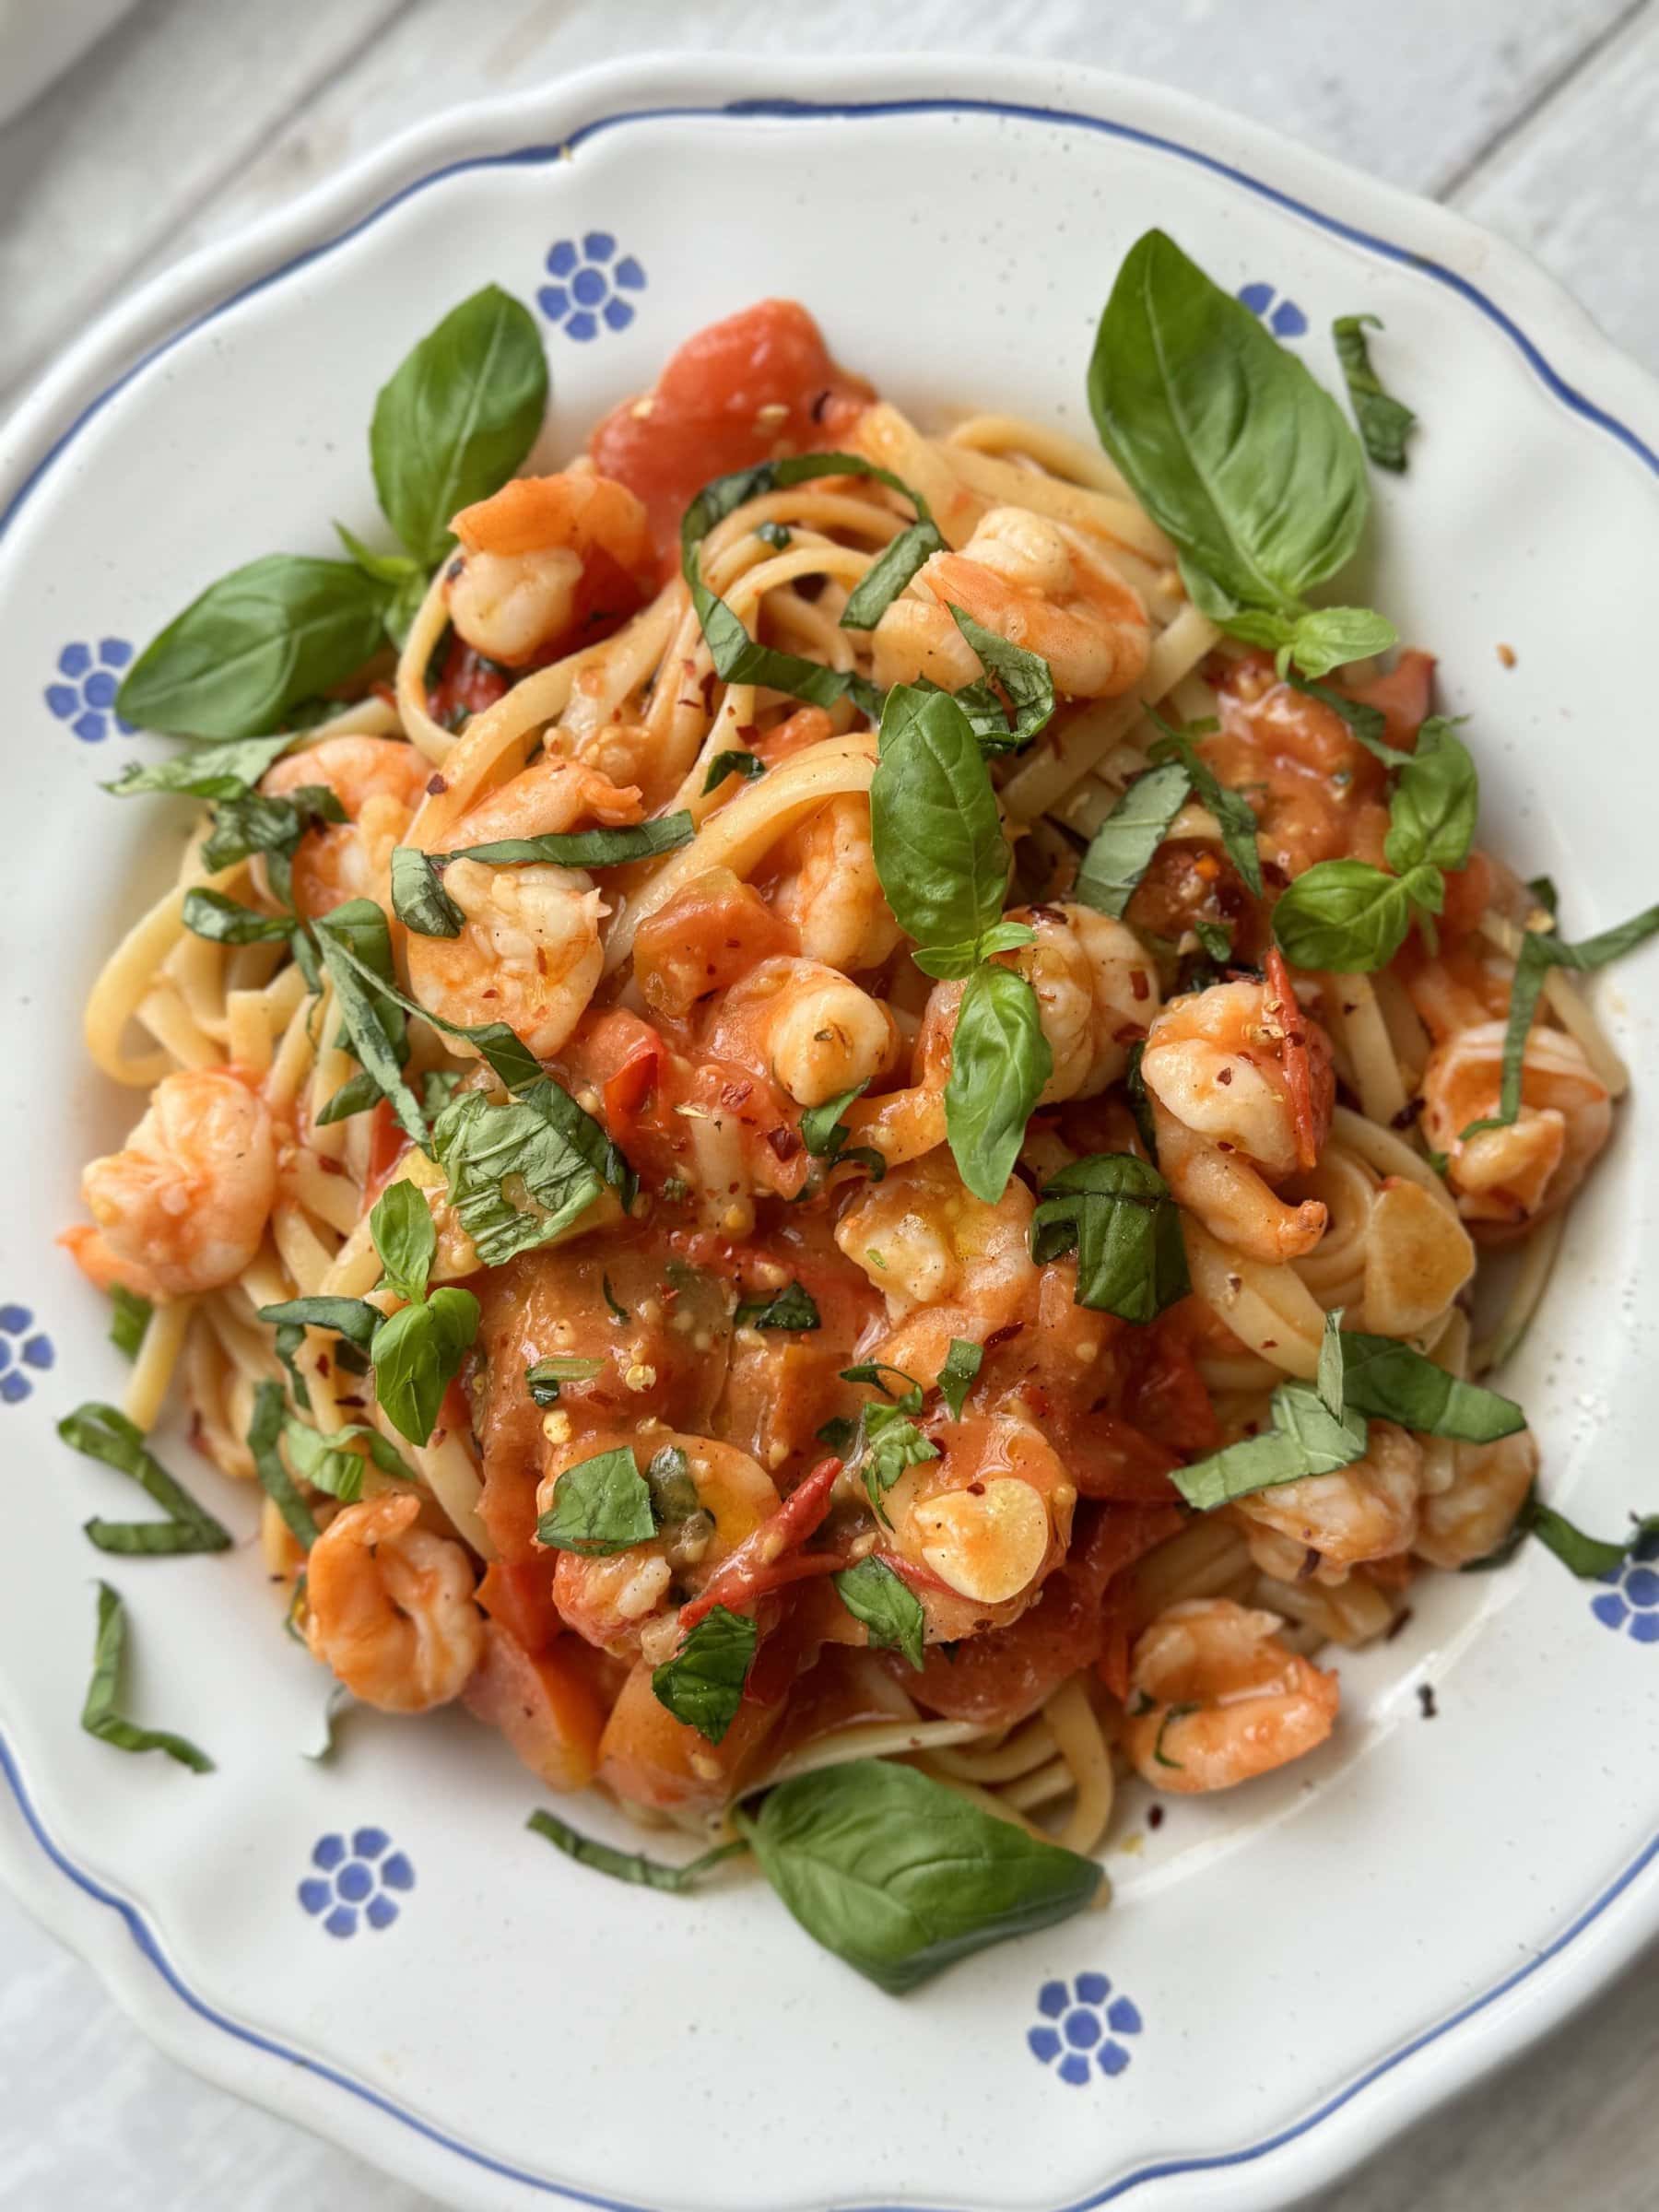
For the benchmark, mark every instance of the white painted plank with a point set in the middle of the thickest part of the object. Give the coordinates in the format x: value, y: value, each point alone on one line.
x: 178, y: 99
x: 1578, y: 185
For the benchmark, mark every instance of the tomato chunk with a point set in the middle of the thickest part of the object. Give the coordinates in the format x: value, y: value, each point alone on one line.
x: 716, y: 409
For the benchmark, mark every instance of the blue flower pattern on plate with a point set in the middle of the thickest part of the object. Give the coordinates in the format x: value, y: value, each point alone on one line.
x: 354, y: 1881
x: 1081, y: 2027
x: 588, y: 285
x: 1285, y: 321
x: 1632, y: 1602
x: 23, y: 1349
x: 86, y: 698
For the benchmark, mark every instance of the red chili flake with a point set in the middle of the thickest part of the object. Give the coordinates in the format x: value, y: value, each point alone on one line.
x: 436, y: 786
x: 1009, y: 1329
x: 785, y: 1143
x: 820, y: 404
x: 735, y: 1094
x: 1222, y: 1146
x: 1224, y: 1075
x: 1138, y: 982
x: 1155, y: 1816
x: 1398, y: 1623
x: 1270, y: 1344
x: 749, y: 731
x: 1409, y: 1113
x: 976, y: 1490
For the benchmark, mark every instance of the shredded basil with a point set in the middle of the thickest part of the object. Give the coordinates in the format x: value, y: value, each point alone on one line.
x: 702, y: 1684
x: 418, y: 898
x: 956, y: 1376
x: 543, y: 1380
x: 204, y: 771
x: 630, y: 1866
x: 332, y: 1464
x: 99, y: 1716
x: 264, y: 1434
x: 886, y: 1605
x: 600, y: 1506
x: 731, y: 764
x: 1384, y: 422
x: 1118, y: 1212
x: 104, y: 1433
x: 1122, y: 849
x: 1234, y: 816
x: 790, y: 1308
x: 1388, y: 1382
x: 130, y: 1320
x: 521, y: 1174
x: 582, y: 848
x: 1023, y: 679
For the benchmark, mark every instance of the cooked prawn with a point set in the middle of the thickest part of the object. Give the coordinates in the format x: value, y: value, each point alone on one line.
x: 832, y: 893
x: 983, y: 1523
x: 1227, y: 1701
x: 1035, y: 583
x: 379, y: 781
x: 924, y: 1240
x: 1505, y: 1179
x: 529, y: 952
x: 1326, y: 1523
x: 1488, y: 1488
x: 805, y: 1027
x: 183, y: 1206
x: 390, y: 1606
x: 524, y: 550
x: 1097, y: 991
x: 1228, y: 1125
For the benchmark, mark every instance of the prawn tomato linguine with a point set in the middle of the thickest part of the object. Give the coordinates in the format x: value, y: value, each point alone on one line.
x: 846, y: 1115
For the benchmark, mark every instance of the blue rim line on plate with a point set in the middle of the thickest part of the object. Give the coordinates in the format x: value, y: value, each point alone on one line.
x: 782, y: 110
x: 785, y: 110
x: 145, y: 1936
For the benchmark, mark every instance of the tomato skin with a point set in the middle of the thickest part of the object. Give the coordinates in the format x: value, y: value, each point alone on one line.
x: 519, y: 1594
x: 711, y: 412
x: 387, y: 1145
x: 466, y: 684
x: 545, y: 1704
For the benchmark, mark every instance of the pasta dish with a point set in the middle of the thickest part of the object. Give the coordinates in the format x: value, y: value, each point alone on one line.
x: 824, y: 1100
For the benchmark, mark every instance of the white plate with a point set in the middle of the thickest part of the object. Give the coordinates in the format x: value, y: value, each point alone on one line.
x: 1293, y: 1974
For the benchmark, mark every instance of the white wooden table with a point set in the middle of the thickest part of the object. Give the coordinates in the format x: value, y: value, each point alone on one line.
x: 1537, y: 117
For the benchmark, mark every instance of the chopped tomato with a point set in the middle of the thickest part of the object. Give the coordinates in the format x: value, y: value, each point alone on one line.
x: 1166, y: 1395
x: 1294, y: 1059
x: 1404, y: 695
x: 1110, y: 1458
x: 545, y: 1704
x: 466, y: 684
x: 387, y: 1145
x: 760, y: 384
x: 1469, y: 895
x: 705, y: 939
x: 520, y: 1595
x: 627, y: 1090
x: 647, y: 1756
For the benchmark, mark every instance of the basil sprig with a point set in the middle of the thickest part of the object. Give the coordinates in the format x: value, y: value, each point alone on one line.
x: 1384, y: 422
x: 629, y: 1865
x: 521, y: 1174
x: 1540, y: 952
x: 886, y: 1605
x: 900, y: 1876
x: 1235, y: 453
x: 455, y: 421
x: 1118, y: 1211
x: 99, y: 1714
x: 458, y: 415
x: 104, y: 1433
x: 944, y: 864
x: 703, y: 1682
x: 1352, y: 918
x: 416, y: 1352
x: 600, y: 1506
x: 738, y: 659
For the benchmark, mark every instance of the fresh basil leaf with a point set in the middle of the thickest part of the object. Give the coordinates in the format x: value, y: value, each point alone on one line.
x: 99, y: 1716
x: 1234, y: 815
x: 104, y: 1433
x: 956, y: 1376
x: 253, y: 645
x: 1024, y: 678
x: 362, y: 940
x: 737, y: 657
x: 1000, y: 1061
x: 731, y: 764
x: 543, y: 1380
x: 1432, y: 817
x: 457, y: 418
x: 1118, y: 1212
x: 584, y: 848
x: 1388, y: 1382
x: 822, y: 1130
x: 130, y: 1320
x: 353, y: 1318
x: 1121, y: 850
x: 417, y: 1355
x: 674, y: 1497
x: 1543, y: 892
x: 356, y: 1095
x: 252, y: 823
x: 1228, y: 443
x: 405, y: 1237
x: 1350, y: 918
x: 600, y: 1506
x: 544, y: 1147
x: 225, y: 922
x: 901, y: 1876
x: 790, y: 1308
x: 1306, y: 1439
x: 839, y: 1435
x: 909, y: 1399
x: 1587, y: 1557
x: 889, y: 1441
x: 886, y: 1605
x: 888, y: 573
x: 1385, y: 421
x: 1329, y: 637
x: 264, y: 1433
x: 1540, y: 952
x: 205, y: 771
x: 329, y: 1463
x: 418, y: 898
x: 935, y: 831
x: 629, y: 1865
x: 702, y: 1684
